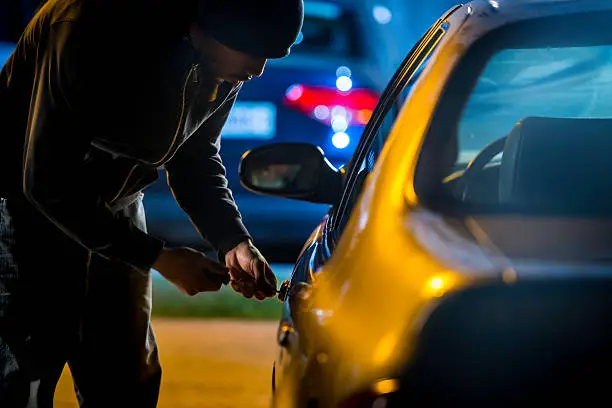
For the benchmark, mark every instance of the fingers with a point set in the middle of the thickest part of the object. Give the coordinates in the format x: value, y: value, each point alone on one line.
x: 242, y: 282
x: 236, y: 286
x: 237, y: 274
x: 271, y: 277
x: 192, y: 271
x: 206, y: 287
x: 212, y: 275
x: 206, y: 276
x: 266, y: 281
x: 215, y: 267
x: 259, y: 295
x: 187, y: 291
x: 251, y: 274
x: 188, y: 286
x: 245, y: 286
x: 201, y: 285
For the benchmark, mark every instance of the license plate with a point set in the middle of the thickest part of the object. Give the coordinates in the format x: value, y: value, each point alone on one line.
x: 251, y: 120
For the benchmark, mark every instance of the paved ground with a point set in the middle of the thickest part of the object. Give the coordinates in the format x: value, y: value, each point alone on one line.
x: 207, y: 363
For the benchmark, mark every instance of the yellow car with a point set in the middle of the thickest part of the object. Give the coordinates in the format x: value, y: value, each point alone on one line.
x: 467, y: 255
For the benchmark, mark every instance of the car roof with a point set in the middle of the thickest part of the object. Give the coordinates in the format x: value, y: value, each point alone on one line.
x: 516, y: 10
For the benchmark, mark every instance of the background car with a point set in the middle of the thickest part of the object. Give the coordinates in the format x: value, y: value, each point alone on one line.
x: 323, y: 93
x: 465, y: 260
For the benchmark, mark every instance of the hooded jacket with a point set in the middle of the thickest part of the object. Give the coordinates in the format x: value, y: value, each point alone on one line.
x: 99, y: 95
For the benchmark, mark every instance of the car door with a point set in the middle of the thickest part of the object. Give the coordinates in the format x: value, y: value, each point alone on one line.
x: 321, y: 245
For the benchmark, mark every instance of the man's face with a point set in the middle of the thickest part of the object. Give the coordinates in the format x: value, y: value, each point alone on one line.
x: 224, y: 63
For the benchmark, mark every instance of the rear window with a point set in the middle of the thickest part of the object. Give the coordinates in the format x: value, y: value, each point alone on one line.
x: 328, y: 29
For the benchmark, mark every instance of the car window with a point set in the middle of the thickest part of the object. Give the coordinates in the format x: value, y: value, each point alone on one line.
x: 546, y: 82
x: 329, y: 29
x: 374, y: 138
x: 532, y: 133
x: 367, y: 163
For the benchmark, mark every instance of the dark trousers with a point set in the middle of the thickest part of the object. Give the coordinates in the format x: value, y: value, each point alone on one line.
x: 60, y: 304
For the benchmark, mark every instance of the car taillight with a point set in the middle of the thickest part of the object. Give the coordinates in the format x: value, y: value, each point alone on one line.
x: 375, y: 397
x: 331, y: 106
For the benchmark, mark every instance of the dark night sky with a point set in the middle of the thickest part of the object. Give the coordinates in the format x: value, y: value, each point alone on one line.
x: 14, y: 15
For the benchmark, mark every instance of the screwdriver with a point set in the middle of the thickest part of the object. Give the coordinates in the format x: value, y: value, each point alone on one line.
x: 226, y: 279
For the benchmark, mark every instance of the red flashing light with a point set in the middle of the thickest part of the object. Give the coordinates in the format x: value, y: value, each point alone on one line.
x: 323, y: 103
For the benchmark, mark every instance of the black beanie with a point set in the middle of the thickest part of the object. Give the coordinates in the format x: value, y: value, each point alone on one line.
x: 262, y: 28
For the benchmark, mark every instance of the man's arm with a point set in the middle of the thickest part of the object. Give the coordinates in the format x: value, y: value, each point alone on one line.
x: 198, y: 181
x: 196, y: 176
x: 56, y: 145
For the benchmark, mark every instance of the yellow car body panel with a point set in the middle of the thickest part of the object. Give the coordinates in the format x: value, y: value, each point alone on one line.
x: 374, y: 291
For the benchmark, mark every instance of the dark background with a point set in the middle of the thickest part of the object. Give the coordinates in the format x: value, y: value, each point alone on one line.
x: 411, y: 18
x: 14, y: 16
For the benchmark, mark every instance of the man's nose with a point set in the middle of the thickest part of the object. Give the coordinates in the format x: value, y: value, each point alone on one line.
x: 258, y: 67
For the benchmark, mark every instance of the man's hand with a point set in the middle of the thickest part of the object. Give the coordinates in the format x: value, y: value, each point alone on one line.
x: 250, y: 272
x: 189, y: 270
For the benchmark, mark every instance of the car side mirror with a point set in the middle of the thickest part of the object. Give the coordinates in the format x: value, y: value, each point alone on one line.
x: 292, y: 170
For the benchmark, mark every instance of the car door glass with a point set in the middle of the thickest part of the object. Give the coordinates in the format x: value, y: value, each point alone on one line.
x: 368, y: 162
x: 373, y: 141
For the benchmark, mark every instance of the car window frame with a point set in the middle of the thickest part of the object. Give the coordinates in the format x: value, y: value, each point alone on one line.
x: 389, y: 101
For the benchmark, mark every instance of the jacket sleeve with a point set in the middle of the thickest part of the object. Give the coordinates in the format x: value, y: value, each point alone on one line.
x: 197, y: 178
x: 56, y: 144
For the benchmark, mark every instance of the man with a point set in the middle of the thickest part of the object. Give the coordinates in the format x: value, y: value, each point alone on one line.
x: 97, y: 96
